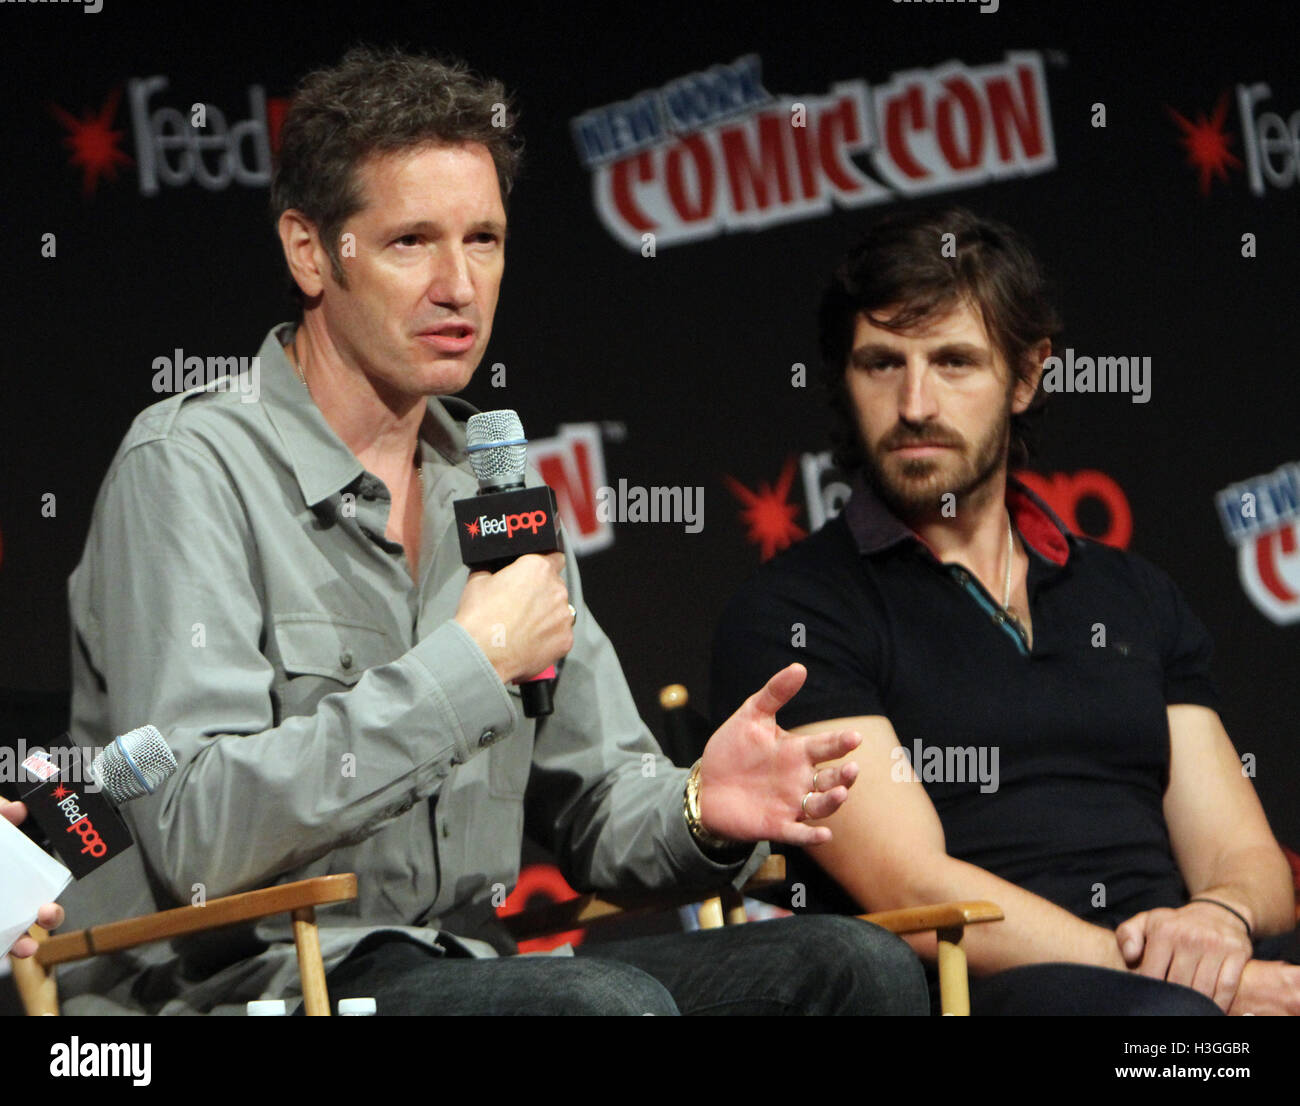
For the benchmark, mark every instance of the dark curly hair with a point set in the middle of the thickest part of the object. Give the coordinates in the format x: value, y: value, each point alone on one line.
x: 900, y: 263
x: 378, y: 101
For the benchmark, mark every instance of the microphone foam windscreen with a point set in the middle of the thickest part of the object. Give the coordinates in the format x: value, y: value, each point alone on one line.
x: 495, y: 443
x: 135, y: 764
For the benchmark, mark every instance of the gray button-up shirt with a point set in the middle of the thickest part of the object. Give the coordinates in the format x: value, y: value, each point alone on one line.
x: 238, y: 592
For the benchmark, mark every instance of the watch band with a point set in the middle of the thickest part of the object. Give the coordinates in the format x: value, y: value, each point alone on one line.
x: 691, y: 809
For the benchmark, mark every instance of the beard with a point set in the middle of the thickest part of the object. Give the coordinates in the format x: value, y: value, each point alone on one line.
x: 915, y: 486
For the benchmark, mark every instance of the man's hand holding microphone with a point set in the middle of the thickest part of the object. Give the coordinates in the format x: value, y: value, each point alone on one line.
x: 520, y: 615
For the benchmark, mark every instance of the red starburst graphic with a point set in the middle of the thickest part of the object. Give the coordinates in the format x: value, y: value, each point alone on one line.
x: 93, y: 142
x: 1207, y: 143
x: 472, y: 527
x: 61, y: 792
x: 767, y: 512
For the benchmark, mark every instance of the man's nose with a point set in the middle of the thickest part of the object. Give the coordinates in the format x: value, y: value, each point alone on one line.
x: 916, y: 400
x: 451, y: 284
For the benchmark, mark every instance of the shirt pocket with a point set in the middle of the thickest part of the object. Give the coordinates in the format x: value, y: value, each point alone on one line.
x: 321, y: 654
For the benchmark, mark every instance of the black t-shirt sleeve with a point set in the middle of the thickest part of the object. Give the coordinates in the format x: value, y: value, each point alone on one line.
x: 1186, y: 647
x: 819, y: 619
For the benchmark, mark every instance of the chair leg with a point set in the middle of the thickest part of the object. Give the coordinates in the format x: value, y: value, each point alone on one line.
x: 311, y: 967
x: 954, y: 990
x: 711, y: 913
x: 36, y: 984
x: 733, y: 903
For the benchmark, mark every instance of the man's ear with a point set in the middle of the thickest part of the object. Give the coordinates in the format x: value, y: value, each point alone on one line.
x: 308, y: 263
x: 1026, y: 389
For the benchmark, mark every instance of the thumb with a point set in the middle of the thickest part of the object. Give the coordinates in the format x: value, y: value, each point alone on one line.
x: 780, y: 689
x: 14, y: 812
x: 1131, y: 936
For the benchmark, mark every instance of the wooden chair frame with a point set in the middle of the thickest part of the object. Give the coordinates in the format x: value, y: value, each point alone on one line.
x: 37, y: 987
x: 35, y: 976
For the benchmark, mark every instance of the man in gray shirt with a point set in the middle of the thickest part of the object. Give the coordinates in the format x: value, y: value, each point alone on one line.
x: 277, y: 586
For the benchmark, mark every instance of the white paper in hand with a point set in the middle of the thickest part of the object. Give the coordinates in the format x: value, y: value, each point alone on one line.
x: 29, y: 878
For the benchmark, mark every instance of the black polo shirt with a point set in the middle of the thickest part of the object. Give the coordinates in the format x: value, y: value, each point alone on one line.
x: 1047, y: 765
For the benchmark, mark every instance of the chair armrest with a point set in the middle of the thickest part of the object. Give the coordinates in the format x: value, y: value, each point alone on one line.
x: 944, y: 915
x: 228, y: 910
x: 948, y: 920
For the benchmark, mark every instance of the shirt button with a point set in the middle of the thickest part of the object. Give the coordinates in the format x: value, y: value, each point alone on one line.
x: 345, y: 659
x: 486, y: 738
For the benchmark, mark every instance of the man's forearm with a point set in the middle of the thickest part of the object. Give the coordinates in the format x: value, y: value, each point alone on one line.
x: 1256, y: 882
x: 1033, y: 931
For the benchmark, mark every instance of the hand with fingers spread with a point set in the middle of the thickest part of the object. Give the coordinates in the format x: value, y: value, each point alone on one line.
x: 760, y: 783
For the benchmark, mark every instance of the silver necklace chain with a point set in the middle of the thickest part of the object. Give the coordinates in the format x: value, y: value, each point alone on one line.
x: 1006, y: 580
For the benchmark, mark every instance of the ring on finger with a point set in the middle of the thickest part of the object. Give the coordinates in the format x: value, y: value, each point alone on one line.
x: 816, y: 773
x: 804, y: 805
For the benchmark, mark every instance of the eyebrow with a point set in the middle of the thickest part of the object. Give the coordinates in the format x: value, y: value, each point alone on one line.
x: 878, y: 351
x: 427, y: 226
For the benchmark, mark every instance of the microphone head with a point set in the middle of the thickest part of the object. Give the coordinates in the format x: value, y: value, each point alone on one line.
x: 495, y: 443
x: 135, y: 764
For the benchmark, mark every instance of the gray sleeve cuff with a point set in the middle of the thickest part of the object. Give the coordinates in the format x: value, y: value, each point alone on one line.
x: 468, y: 692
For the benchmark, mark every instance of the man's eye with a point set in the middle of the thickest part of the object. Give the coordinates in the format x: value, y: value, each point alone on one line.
x: 408, y: 240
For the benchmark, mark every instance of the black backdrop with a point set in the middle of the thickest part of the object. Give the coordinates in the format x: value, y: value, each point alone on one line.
x: 681, y: 362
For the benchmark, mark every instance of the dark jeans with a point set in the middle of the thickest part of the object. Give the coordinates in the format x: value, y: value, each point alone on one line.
x: 1048, y: 989
x: 809, y: 965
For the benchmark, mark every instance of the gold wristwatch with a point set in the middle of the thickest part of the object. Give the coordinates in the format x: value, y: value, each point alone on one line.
x: 691, y: 808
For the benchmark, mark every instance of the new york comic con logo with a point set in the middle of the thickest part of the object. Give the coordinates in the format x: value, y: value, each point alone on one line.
x: 1261, y: 516
x: 714, y: 150
x: 509, y: 525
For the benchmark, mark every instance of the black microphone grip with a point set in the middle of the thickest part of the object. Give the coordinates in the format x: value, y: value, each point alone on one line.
x: 80, y: 821
x: 537, y: 696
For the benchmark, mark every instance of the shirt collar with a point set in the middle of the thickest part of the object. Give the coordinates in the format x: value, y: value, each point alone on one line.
x: 322, y: 463
x: 875, y: 527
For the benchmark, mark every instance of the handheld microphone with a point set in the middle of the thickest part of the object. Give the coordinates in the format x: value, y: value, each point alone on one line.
x: 506, y: 520
x: 82, y: 825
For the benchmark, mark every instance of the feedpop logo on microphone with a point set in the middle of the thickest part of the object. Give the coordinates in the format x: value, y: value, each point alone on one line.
x: 81, y: 825
x: 484, y: 526
x: 496, y: 528
x: 79, y: 821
